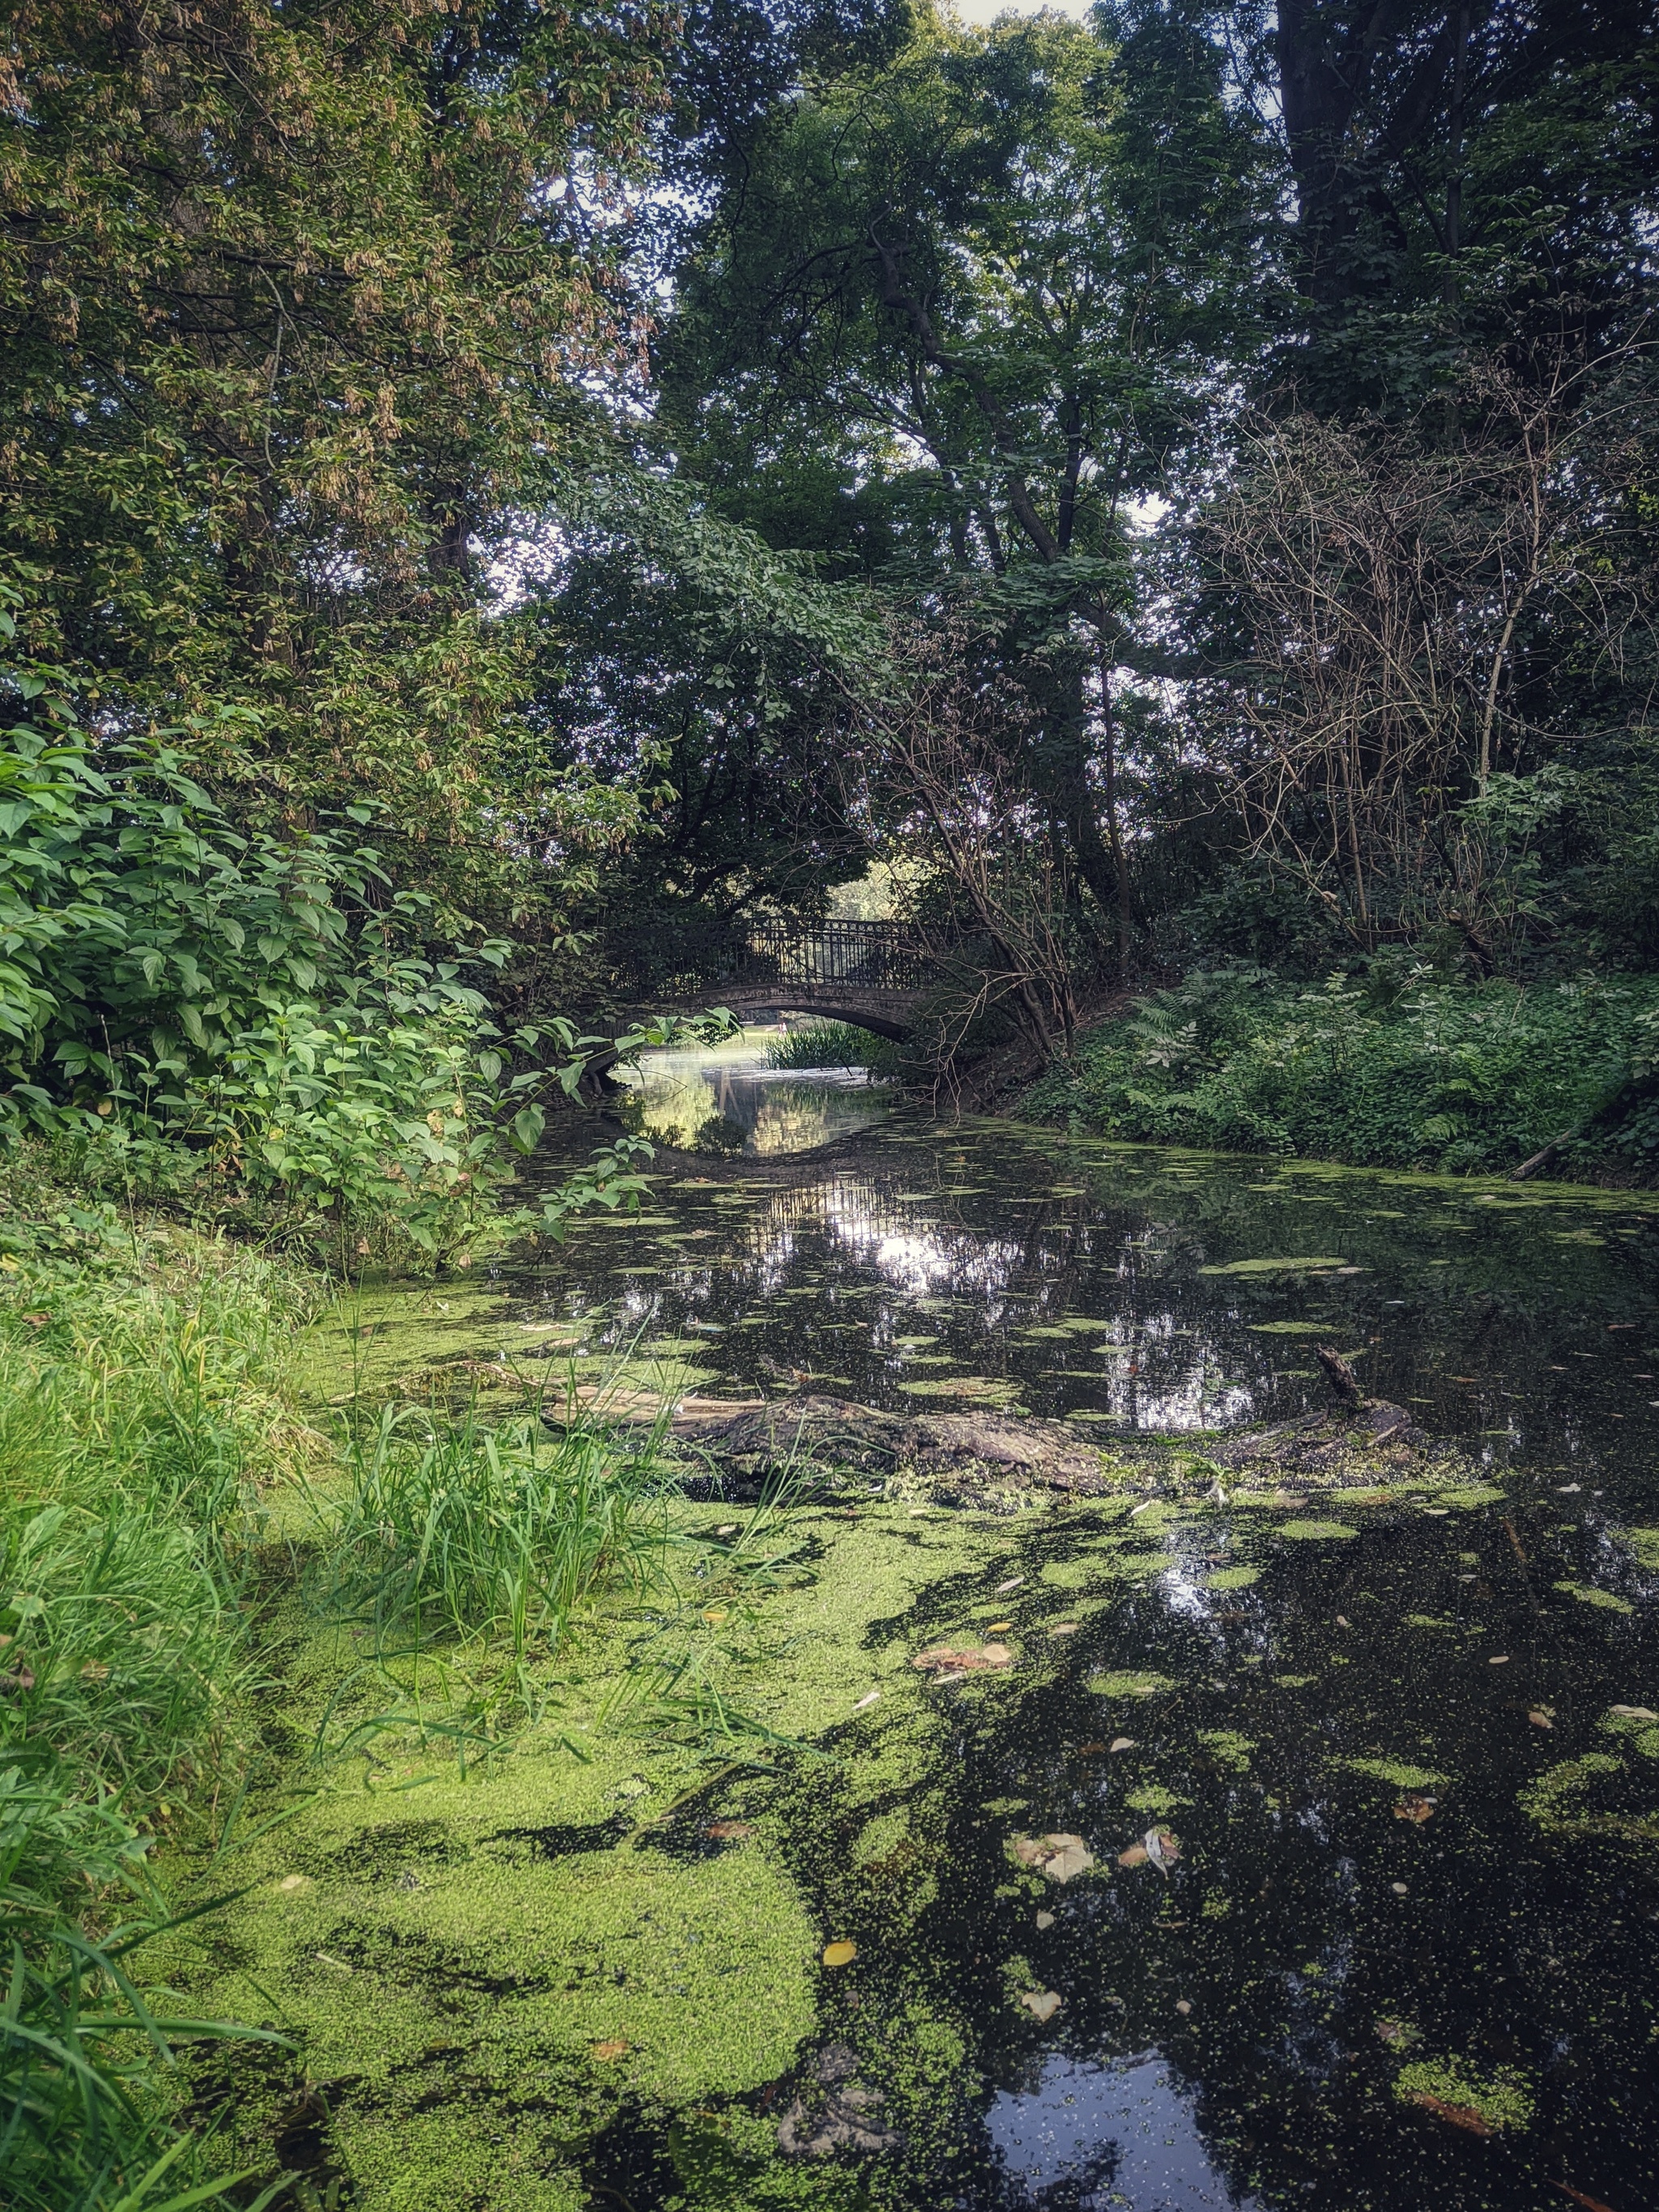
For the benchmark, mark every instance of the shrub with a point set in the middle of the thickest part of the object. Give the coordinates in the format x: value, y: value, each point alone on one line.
x: 1382, y: 1068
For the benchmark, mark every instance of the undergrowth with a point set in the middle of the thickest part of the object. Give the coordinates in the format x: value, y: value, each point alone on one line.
x: 1386, y: 1068
x: 145, y: 1432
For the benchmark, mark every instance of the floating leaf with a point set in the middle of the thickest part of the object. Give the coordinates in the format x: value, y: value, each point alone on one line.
x: 1042, y: 2004
x: 1044, y: 1920
x: 1059, y: 1856
x: 1122, y: 1743
x: 1162, y: 1848
x: 1184, y: 2006
x: 730, y: 1831
x: 1415, y: 1809
x: 1013, y: 1584
x: 1288, y: 1266
x: 1540, y: 1719
x: 1136, y: 1854
x: 1635, y: 1712
x: 840, y: 1954
x: 869, y: 1698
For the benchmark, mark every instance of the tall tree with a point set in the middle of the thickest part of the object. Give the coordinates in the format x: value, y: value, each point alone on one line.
x: 954, y: 327
x: 297, y: 307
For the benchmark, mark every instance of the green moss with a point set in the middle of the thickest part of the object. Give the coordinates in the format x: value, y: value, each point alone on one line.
x: 1587, y: 1594
x: 1228, y: 1749
x: 1557, y: 1803
x: 1502, y: 2098
x: 1398, y: 1773
x: 1132, y: 1683
x: 1157, y: 1802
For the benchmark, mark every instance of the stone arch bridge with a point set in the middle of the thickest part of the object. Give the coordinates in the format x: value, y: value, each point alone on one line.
x: 874, y: 975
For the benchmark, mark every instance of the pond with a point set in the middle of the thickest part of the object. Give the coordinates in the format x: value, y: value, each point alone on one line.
x: 1362, y: 1798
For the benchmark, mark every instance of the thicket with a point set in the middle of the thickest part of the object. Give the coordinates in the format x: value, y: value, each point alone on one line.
x: 1386, y: 1065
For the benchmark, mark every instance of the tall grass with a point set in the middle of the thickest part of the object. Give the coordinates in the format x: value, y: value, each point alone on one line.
x: 140, y: 1412
x: 142, y: 1418
x: 835, y: 1044
x: 502, y: 1535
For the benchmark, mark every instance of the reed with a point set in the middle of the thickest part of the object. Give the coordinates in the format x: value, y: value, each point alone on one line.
x: 500, y: 1534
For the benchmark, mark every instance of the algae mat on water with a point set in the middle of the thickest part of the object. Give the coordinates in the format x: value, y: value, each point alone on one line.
x: 481, y: 1973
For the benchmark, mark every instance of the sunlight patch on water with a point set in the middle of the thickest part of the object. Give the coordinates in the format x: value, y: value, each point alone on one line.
x: 1121, y: 2135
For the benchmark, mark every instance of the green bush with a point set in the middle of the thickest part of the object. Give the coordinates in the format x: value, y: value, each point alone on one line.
x: 1383, y: 1069
x: 189, y: 1006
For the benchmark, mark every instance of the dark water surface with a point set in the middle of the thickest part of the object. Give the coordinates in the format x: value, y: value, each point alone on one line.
x: 1241, y: 2029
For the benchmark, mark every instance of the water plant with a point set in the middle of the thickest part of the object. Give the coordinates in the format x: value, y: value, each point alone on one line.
x: 836, y: 1044
x: 498, y: 1534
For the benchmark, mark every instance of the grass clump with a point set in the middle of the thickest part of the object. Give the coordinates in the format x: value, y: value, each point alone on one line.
x: 836, y: 1044
x: 498, y: 1533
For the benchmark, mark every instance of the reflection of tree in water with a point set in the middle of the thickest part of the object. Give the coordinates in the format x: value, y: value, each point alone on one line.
x: 1279, y: 1755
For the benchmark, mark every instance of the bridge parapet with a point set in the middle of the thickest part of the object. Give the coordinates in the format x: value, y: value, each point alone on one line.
x: 685, y: 961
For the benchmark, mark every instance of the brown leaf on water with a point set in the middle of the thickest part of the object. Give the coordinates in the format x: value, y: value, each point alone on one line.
x: 1059, y: 1856
x: 949, y: 1661
x: 1590, y: 2203
x: 1122, y: 1743
x: 1042, y: 2004
x: 1415, y: 1808
x: 1137, y: 1855
x: 1540, y: 1719
x: 730, y: 1831
x: 1399, y: 2032
x: 1456, y: 2116
x: 1636, y: 1712
x: 612, y: 2047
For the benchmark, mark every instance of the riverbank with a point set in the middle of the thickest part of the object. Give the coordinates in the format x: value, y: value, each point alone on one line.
x: 575, y: 1834
x: 1456, y: 1080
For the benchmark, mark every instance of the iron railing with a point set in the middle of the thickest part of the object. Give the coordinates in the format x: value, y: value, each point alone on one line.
x: 682, y: 960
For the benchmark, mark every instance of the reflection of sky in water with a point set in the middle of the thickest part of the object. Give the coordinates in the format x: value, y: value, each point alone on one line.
x: 1118, y: 2138
x: 781, y: 1109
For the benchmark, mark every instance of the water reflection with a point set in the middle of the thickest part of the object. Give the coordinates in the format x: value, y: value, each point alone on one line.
x: 1409, y: 1751
x: 1089, y: 2137
x: 727, y: 1099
